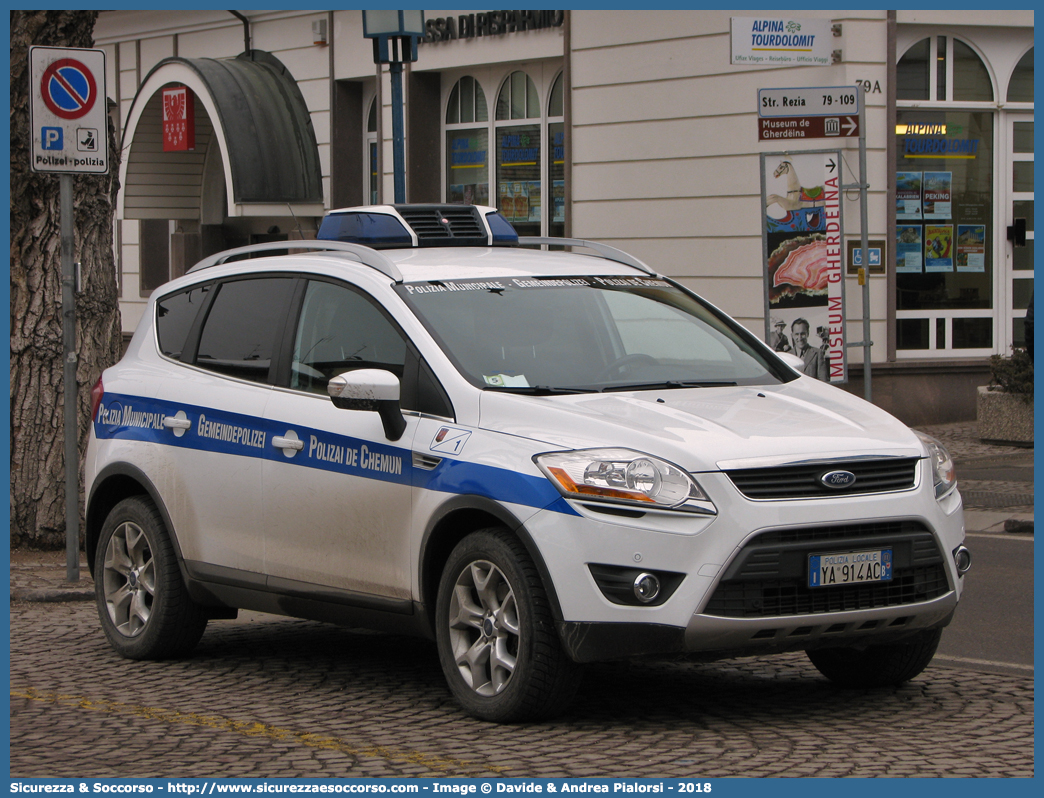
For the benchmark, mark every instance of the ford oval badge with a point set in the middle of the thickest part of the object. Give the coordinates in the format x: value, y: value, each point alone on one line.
x: 838, y: 479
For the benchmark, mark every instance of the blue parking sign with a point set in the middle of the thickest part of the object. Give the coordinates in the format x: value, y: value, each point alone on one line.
x: 51, y: 138
x: 874, y: 256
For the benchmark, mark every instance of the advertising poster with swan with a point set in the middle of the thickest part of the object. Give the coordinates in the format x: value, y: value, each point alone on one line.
x: 803, y: 242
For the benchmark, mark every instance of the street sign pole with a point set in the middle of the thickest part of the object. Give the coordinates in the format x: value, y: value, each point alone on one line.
x: 69, y: 358
x: 68, y: 121
x: 865, y: 269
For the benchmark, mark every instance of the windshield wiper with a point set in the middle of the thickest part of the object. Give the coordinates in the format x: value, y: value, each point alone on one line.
x: 536, y: 390
x: 651, y: 386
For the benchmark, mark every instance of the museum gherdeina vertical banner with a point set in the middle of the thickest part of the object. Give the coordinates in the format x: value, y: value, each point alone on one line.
x: 802, y: 246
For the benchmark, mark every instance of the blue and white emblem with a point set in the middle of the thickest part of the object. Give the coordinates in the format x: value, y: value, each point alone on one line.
x: 838, y: 479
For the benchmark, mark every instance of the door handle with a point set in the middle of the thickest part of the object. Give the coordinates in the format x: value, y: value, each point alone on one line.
x: 170, y: 422
x: 287, y: 443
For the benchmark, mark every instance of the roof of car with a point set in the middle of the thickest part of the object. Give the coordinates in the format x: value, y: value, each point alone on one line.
x: 428, y: 242
x: 453, y: 263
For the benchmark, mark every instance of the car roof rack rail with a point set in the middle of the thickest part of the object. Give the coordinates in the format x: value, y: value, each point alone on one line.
x: 365, y: 255
x: 606, y: 251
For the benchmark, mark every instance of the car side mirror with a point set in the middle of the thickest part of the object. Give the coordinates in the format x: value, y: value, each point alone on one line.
x: 373, y: 390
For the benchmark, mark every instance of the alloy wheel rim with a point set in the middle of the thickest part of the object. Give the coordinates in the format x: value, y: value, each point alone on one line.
x: 129, y: 579
x: 483, y: 628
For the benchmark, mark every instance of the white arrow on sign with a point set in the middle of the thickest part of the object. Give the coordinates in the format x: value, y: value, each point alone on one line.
x: 850, y: 125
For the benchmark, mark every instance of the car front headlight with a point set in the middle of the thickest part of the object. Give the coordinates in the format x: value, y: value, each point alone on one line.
x: 623, y: 476
x: 944, y: 475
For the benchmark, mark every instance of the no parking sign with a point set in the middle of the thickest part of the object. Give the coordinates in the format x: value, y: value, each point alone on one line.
x: 67, y: 110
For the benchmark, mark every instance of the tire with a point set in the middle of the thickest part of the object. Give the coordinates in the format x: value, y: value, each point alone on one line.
x: 496, y: 636
x: 145, y: 610
x: 877, y: 666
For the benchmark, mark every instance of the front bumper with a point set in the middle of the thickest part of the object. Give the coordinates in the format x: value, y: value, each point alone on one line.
x: 744, y: 589
x: 711, y: 637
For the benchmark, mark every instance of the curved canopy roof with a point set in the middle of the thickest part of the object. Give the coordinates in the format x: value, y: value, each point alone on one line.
x: 252, y: 108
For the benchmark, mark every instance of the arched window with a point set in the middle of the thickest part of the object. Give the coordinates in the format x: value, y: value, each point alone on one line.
x: 1020, y: 87
x: 912, y: 82
x: 943, y: 69
x: 467, y: 144
x: 971, y: 79
x: 519, y: 194
x: 467, y: 103
x: 556, y: 159
x: 945, y: 162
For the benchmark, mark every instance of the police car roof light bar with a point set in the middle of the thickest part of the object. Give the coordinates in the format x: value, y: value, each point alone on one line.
x: 606, y: 251
x: 365, y: 255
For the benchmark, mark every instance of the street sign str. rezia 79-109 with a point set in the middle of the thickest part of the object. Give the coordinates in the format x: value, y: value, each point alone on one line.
x: 67, y: 110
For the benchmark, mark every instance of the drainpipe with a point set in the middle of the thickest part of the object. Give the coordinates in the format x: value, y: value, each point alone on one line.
x: 246, y: 30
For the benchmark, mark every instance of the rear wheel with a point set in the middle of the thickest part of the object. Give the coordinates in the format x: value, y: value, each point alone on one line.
x: 496, y: 637
x: 877, y: 666
x: 145, y: 610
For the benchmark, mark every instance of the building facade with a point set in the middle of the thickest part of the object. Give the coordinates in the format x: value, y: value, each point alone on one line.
x: 635, y: 128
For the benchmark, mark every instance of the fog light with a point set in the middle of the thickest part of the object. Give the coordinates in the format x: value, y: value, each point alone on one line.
x: 646, y: 588
x: 962, y: 558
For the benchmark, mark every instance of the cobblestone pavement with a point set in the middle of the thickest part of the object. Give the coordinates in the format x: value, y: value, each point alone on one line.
x: 269, y: 697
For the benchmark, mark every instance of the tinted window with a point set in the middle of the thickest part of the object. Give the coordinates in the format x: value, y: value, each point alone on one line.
x: 242, y: 327
x: 174, y: 317
x: 341, y: 330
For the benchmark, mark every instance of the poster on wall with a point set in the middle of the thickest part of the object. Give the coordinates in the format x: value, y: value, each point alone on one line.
x: 533, y: 192
x: 971, y: 247
x: 558, y: 201
x: 938, y: 195
x: 909, y: 256
x: 801, y: 242
x: 938, y: 247
x: 521, y: 190
x: 908, y: 195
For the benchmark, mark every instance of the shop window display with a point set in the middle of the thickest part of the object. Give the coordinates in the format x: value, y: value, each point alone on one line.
x: 519, y: 187
x: 944, y: 220
x: 467, y: 148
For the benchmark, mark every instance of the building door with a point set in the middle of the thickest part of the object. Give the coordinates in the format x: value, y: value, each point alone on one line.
x: 1017, y: 184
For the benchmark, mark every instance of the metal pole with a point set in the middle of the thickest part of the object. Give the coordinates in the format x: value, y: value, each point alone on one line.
x: 398, y: 137
x: 72, y: 455
x: 865, y: 259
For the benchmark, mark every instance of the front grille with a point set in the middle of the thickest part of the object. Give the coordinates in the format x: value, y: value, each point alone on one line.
x: 769, y: 577
x: 444, y: 225
x: 802, y: 481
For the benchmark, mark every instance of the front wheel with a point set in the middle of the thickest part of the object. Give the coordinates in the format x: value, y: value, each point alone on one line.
x: 496, y: 636
x: 877, y: 666
x: 145, y: 610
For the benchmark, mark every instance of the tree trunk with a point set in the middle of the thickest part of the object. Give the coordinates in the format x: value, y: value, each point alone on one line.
x: 37, y: 384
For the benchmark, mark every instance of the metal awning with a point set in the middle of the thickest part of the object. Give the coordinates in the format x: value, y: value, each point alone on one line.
x: 255, y: 155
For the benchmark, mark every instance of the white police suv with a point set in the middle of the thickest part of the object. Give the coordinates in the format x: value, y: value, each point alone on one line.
x: 537, y: 458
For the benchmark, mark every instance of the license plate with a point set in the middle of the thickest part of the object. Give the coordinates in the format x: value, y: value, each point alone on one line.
x: 849, y: 567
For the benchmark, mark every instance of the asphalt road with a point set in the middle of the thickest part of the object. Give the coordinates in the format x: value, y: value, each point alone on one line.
x: 993, y: 627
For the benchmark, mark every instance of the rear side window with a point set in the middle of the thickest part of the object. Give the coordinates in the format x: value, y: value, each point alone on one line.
x: 174, y: 317
x: 243, y: 326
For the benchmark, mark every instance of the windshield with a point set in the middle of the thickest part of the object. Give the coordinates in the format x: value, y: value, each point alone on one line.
x: 537, y: 335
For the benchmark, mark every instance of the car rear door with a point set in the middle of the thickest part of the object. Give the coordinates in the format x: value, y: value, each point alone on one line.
x: 210, y: 467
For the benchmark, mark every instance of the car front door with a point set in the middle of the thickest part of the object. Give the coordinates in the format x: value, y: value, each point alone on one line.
x: 337, y: 494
